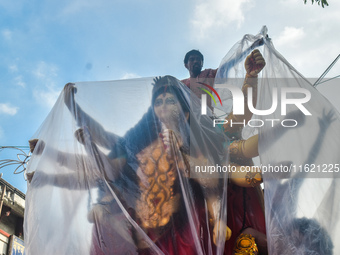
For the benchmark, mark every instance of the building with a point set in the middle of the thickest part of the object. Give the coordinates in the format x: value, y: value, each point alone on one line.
x: 12, y: 207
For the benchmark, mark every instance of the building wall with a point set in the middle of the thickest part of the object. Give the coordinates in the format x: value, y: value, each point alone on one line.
x: 11, y: 216
x: 4, y: 240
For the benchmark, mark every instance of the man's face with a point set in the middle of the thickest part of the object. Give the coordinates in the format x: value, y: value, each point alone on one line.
x: 194, y: 64
x: 167, y: 108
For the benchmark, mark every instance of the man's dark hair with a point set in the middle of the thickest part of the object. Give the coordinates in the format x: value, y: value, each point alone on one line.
x: 192, y: 52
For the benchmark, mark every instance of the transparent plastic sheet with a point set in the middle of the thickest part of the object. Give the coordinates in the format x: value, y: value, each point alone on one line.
x: 73, y: 205
x: 307, y: 219
x: 122, y: 184
x: 302, y: 193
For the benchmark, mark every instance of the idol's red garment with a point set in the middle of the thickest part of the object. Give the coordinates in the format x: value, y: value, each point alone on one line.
x: 245, y: 209
x: 176, y: 239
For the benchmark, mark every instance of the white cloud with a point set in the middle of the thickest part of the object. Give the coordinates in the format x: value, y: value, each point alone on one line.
x: 19, y: 81
x: 129, y: 76
x: 48, y: 96
x: 308, y: 49
x: 13, y: 68
x: 78, y: 6
x: 7, y: 34
x: 46, y: 92
x: 216, y: 15
x: 8, y: 109
x: 291, y: 36
x: 45, y: 71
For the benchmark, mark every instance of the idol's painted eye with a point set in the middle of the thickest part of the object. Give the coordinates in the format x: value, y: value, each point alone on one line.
x: 158, y: 102
x: 171, y: 101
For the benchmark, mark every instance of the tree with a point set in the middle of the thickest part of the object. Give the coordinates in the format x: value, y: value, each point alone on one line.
x: 323, y: 2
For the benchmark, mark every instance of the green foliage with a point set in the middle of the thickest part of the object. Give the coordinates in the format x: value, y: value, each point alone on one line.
x: 322, y: 2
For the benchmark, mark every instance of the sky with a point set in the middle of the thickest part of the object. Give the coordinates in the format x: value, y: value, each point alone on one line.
x: 46, y: 44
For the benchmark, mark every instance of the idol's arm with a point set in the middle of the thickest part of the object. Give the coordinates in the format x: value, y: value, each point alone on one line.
x: 254, y: 64
x: 99, y: 135
x: 240, y: 151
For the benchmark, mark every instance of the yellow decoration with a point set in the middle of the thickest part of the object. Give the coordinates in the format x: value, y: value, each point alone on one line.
x: 245, y: 245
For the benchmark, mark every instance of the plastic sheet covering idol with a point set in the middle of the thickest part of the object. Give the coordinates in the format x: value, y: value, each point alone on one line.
x: 112, y: 173
x: 106, y: 159
x: 299, y: 151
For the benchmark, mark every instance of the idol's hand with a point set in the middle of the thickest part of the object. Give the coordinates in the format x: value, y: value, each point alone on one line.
x: 33, y: 146
x: 222, y: 228
x: 82, y: 135
x: 41, y: 181
x: 166, y: 139
x: 254, y: 63
x: 155, y: 80
x: 69, y: 91
x: 170, y: 139
x: 29, y: 176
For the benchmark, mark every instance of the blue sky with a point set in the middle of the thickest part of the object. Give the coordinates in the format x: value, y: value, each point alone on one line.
x: 46, y: 44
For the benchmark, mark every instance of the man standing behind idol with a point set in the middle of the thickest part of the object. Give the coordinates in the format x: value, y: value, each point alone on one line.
x: 245, y: 204
x: 193, y: 61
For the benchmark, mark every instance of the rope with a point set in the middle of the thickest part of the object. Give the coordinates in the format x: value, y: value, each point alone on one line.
x: 326, y: 71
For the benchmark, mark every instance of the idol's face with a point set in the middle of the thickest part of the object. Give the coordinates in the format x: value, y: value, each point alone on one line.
x: 167, y: 108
